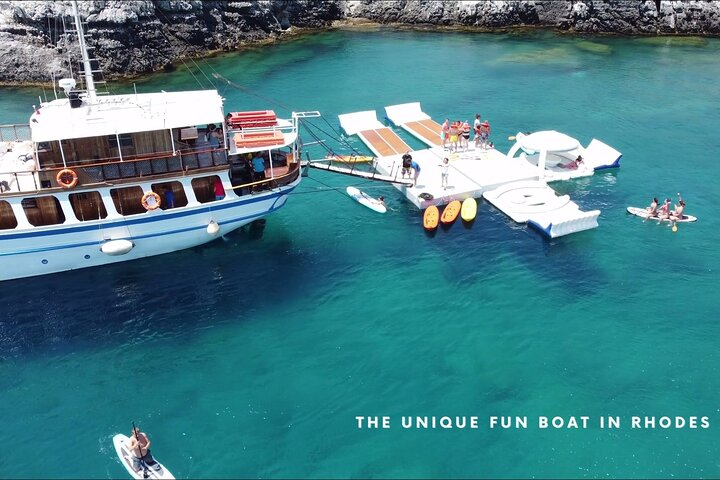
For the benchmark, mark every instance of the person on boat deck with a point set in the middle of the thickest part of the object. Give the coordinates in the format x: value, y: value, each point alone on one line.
x: 139, y: 447
x: 416, y: 169
x: 664, y: 211
x: 445, y: 133
x: 169, y: 198
x: 652, y: 209
x: 380, y: 201
x: 258, y: 163
x: 219, y: 189
x: 406, y: 164
x: 444, y: 171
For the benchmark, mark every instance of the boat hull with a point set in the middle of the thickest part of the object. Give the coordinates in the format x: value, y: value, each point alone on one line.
x: 42, y: 251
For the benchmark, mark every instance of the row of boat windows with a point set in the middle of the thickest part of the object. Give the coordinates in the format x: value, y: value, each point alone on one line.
x: 86, y: 206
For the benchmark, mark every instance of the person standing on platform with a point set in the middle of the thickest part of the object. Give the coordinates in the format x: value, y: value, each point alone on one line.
x: 444, y: 172
x: 445, y: 133
x: 416, y: 168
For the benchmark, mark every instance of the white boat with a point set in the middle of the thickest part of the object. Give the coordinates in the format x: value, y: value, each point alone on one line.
x: 95, y: 179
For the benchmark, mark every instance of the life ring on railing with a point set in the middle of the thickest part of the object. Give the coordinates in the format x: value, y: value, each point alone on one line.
x: 66, y: 178
x: 151, y: 204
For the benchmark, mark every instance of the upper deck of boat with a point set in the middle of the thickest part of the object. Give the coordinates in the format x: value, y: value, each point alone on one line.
x: 114, y: 114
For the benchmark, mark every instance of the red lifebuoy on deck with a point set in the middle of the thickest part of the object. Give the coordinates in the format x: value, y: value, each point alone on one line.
x: 151, y: 204
x: 66, y: 178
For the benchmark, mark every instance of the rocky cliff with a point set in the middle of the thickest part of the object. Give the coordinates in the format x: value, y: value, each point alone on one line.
x: 135, y: 37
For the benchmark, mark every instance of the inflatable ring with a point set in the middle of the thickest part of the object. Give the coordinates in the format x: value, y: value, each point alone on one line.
x: 66, y: 178
x: 148, y: 204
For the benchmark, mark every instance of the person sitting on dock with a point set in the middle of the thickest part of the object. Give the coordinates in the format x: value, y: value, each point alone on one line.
x: 573, y: 165
x: 652, y: 210
x: 416, y: 169
x: 406, y: 164
x: 445, y: 132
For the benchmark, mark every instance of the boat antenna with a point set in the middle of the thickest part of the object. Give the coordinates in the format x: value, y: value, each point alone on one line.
x: 89, y: 81
x: 137, y: 437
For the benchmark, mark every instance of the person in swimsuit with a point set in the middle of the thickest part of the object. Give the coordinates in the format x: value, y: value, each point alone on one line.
x: 652, y: 209
x: 677, y: 214
x: 664, y: 211
x: 445, y: 133
x: 465, y: 135
x: 454, y: 134
x: 476, y: 129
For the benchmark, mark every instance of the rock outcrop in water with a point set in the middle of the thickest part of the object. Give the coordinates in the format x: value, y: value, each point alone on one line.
x: 135, y: 37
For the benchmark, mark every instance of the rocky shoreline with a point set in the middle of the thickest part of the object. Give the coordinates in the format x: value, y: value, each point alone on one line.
x: 132, y: 38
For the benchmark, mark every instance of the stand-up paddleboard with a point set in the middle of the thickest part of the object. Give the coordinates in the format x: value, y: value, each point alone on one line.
x: 366, y: 200
x: 641, y: 212
x: 121, y: 447
x: 430, y: 218
x: 469, y: 209
x: 451, y: 212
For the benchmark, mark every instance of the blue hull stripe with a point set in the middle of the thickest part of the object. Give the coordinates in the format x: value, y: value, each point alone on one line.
x: 125, y: 222
x: 151, y: 235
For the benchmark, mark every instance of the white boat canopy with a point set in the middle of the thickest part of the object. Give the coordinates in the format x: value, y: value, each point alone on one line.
x: 115, y: 114
x: 542, y: 143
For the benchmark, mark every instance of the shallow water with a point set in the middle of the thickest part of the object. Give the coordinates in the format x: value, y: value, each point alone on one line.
x: 252, y: 356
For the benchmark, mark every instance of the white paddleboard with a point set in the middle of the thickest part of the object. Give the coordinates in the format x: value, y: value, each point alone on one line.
x: 121, y: 447
x: 641, y: 212
x: 366, y: 200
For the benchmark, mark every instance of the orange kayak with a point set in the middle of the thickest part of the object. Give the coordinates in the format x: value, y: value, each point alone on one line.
x: 451, y: 212
x: 430, y: 218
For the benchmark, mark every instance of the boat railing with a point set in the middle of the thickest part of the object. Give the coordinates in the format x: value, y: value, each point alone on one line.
x: 14, y: 133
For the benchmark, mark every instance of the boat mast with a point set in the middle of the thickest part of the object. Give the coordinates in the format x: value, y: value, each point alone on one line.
x: 89, y: 82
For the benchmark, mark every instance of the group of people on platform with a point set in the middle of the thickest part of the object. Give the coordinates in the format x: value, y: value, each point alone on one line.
x: 456, y: 135
x: 663, y: 212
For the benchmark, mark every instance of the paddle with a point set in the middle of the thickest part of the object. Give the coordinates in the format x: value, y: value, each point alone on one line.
x: 137, y: 438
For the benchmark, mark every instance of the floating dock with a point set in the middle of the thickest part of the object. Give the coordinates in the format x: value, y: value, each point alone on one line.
x: 516, y: 185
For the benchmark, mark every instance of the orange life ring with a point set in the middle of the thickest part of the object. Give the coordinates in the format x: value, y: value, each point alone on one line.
x: 66, y: 178
x: 155, y: 204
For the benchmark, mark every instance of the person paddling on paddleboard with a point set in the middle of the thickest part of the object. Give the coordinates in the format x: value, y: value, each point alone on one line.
x: 139, y: 447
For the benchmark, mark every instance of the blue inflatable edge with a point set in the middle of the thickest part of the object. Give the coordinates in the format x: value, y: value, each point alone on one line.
x: 538, y: 227
x: 615, y: 164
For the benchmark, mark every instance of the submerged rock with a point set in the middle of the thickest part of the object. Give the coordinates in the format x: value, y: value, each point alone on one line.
x: 136, y: 37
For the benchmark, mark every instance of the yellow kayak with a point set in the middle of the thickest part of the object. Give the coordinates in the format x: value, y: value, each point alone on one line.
x: 469, y: 209
x: 350, y: 158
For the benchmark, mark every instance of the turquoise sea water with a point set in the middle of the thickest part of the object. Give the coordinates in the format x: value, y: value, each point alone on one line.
x: 251, y: 357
